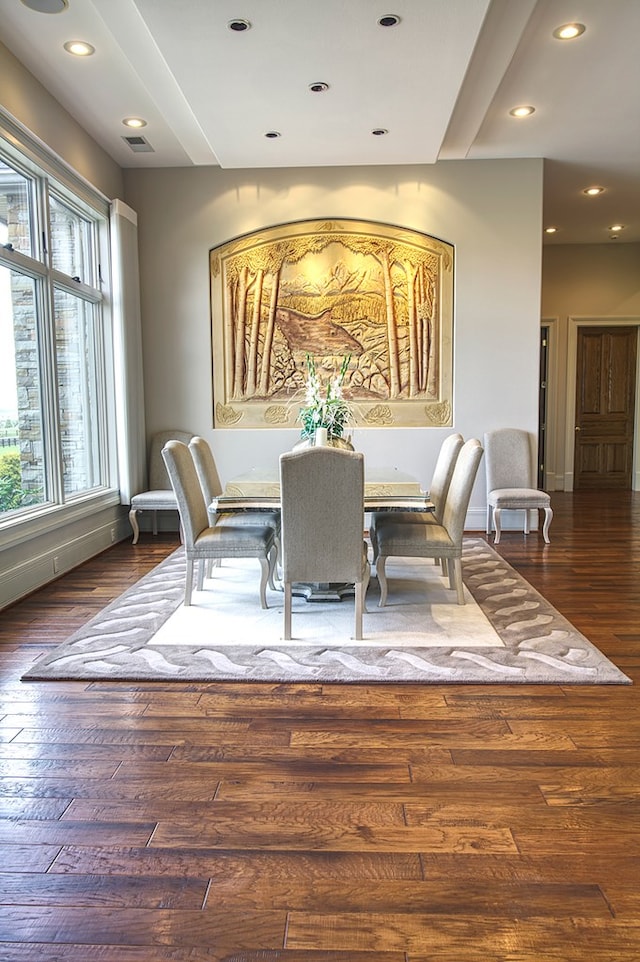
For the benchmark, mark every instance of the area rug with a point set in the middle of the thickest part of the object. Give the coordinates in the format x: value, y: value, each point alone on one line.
x: 505, y: 633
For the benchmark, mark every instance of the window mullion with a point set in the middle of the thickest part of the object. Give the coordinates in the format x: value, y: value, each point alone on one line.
x: 48, y: 363
x: 16, y: 260
x: 49, y: 395
x: 76, y: 288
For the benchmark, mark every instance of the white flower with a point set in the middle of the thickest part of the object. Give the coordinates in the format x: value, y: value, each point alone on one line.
x: 325, y: 409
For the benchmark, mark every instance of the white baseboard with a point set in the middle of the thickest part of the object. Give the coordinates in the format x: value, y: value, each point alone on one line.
x: 476, y: 519
x: 35, y: 572
x: 553, y: 482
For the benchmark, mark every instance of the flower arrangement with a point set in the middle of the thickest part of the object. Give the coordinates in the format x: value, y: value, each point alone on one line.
x: 325, y: 408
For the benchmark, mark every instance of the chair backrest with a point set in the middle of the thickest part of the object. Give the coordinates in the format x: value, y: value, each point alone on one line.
x: 443, y: 472
x: 322, y: 498
x: 206, y: 468
x: 464, y: 475
x: 158, y: 477
x: 508, y: 459
x: 185, y: 483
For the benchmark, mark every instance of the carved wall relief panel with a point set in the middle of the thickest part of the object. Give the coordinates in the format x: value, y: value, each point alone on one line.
x: 381, y: 294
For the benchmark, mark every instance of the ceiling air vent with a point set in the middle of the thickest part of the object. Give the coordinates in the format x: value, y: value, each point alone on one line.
x: 138, y: 144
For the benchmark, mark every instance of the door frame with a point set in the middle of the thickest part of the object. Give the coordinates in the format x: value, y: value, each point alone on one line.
x: 551, y: 478
x: 572, y: 365
x: 543, y: 405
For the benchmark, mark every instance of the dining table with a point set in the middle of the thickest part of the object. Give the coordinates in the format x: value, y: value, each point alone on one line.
x: 385, y: 489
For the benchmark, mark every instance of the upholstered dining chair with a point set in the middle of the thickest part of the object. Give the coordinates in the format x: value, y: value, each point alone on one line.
x: 442, y: 541
x: 210, y: 483
x: 160, y: 496
x: 442, y: 474
x: 202, y: 541
x: 510, y: 486
x: 322, y: 499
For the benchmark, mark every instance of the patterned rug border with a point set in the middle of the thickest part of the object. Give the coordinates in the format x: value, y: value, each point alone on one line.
x: 541, y: 645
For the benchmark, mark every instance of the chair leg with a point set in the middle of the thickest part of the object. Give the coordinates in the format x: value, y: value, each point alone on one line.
x: 154, y: 515
x: 374, y: 543
x: 273, y: 566
x: 359, y: 592
x: 456, y: 563
x: 202, y: 564
x: 382, y: 579
x: 188, y: 583
x: 527, y: 525
x: 496, y: 522
x: 278, y: 566
x: 548, y: 515
x: 133, y: 521
x: 367, y: 579
x: 264, y: 578
x: 488, y: 519
x: 287, y: 611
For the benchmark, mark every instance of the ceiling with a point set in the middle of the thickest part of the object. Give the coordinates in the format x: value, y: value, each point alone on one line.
x: 440, y: 83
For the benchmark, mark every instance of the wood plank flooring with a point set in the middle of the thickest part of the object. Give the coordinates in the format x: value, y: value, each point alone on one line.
x: 302, y: 823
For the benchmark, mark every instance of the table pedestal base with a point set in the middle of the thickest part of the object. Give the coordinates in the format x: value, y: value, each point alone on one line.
x: 322, y: 591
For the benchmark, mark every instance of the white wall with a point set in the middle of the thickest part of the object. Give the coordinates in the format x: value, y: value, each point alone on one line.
x: 489, y: 210
x: 34, y: 107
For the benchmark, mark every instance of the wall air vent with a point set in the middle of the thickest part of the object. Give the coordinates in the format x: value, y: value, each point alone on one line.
x: 138, y: 144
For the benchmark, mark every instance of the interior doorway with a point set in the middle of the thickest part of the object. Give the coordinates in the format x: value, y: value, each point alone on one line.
x: 605, y: 407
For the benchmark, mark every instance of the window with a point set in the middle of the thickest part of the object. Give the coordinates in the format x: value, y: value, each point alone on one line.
x: 22, y: 476
x: 55, y: 357
x: 71, y: 242
x: 16, y: 213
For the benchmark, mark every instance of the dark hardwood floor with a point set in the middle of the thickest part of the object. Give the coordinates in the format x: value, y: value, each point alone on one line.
x: 302, y: 823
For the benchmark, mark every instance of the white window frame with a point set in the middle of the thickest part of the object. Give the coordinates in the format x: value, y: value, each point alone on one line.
x: 31, y: 158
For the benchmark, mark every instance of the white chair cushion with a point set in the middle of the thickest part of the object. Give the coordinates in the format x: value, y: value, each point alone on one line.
x: 518, y: 498
x: 244, y: 541
x: 154, y: 501
x: 414, y: 540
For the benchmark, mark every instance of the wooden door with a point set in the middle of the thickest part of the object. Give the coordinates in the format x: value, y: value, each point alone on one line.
x: 605, y: 399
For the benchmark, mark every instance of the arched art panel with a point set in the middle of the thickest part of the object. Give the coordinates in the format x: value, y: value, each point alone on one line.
x: 380, y: 295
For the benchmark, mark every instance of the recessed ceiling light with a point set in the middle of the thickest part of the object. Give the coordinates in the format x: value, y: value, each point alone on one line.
x: 318, y: 87
x: 593, y: 191
x: 272, y: 134
x: 524, y: 111
x: 617, y: 227
x: 550, y: 230
x: 569, y: 31
x: 379, y: 131
x: 134, y: 122
x: 46, y: 6
x: 79, y: 48
x: 389, y: 20
x: 239, y: 25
